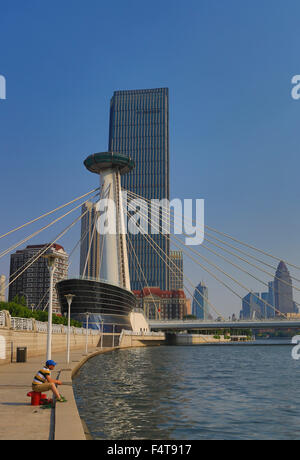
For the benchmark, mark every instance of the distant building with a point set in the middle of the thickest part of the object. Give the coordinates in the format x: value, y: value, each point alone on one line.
x: 200, y: 302
x: 176, y: 270
x: 90, y: 242
x: 34, y: 283
x: 259, y: 305
x: 283, y: 290
x: 158, y: 304
x: 252, y: 306
x: 2, y: 288
x: 188, y: 306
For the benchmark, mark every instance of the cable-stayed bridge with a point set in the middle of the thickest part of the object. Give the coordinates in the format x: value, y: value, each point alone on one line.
x: 238, y: 261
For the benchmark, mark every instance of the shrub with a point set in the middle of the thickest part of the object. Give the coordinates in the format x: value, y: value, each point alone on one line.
x: 20, y: 311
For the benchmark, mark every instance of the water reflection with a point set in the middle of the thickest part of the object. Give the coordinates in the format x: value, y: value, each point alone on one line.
x: 191, y: 393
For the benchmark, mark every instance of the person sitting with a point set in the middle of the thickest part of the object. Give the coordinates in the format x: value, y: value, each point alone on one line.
x: 43, y: 382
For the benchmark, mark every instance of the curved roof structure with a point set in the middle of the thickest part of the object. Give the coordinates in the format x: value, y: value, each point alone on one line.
x: 98, y: 162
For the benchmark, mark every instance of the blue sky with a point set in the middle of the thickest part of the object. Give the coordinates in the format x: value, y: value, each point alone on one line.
x: 234, y: 128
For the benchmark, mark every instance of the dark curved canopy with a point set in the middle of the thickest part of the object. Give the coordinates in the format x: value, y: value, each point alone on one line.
x: 98, y: 162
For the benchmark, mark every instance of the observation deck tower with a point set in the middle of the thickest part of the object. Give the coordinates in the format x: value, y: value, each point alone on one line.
x: 110, y: 166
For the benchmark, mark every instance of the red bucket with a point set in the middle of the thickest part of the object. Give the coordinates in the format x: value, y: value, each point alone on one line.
x: 36, y: 398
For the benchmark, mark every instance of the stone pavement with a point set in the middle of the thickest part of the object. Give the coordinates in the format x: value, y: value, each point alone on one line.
x: 21, y: 421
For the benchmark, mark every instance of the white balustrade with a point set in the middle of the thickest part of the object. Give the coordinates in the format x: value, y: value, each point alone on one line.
x: 2, y: 319
x: 26, y: 324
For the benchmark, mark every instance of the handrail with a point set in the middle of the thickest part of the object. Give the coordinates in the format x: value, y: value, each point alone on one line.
x: 30, y: 324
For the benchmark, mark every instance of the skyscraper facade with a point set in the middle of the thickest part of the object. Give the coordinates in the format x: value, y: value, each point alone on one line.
x: 139, y: 128
x: 2, y: 288
x: 90, y: 254
x: 176, y: 270
x: 200, y: 304
x: 252, y: 306
x: 34, y: 283
x: 283, y: 290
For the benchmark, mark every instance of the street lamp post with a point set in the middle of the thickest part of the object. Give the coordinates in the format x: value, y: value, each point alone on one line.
x: 87, y: 331
x: 69, y: 298
x: 102, y: 331
x: 51, y: 257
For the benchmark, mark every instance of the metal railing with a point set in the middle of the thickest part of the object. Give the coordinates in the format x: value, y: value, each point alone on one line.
x: 21, y: 324
x: 29, y: 324
x: 41, y: 327
x: 2, y: 319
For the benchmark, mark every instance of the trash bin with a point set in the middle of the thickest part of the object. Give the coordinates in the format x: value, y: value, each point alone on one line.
x: 21, y: 354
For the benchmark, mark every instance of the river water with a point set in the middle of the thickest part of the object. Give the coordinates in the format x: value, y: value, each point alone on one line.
x: 191, y: 393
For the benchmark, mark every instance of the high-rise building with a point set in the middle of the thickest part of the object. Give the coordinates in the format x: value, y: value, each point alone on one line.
x: 2, y: 288
x: 176, y: 270
x: 268, y: 304
x: 139, y: 128
x: 90, y: 242
x: 259, y: 305
x: 200, y: 303
x: 34, y: 283
x: 252, y: 306
x: 283, y: 290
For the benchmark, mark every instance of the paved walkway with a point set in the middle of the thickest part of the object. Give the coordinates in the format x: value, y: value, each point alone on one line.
x: 21, y: 421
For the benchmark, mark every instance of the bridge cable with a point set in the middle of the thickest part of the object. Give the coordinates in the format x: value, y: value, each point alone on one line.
x: 226, y: 274
x: 232, y: 263
x: 233, y: 247
x: 132, y: 251
x: 70, y: 264
x: 93, y: 228
x: 229, y: 261
x: 16, y: 245
x: 177, y: 269
x: 40, y: 254
x: 49, y: 213
x: 28, y: 261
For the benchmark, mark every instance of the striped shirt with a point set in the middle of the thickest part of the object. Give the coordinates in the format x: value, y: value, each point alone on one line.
x: 41, y: 376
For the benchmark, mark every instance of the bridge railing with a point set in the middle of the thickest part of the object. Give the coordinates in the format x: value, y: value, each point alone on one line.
x: 2, y: 319
x: 239, y: 321
x: 32, y: 325
x: 21, y: 324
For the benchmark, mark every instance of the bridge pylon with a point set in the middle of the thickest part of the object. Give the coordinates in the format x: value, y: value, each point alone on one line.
x: 110, y: 166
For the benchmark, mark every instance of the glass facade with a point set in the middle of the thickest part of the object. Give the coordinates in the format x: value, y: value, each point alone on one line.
x: 283, y: 290
x: 105, y: 302
x: 139, y: 128
x: 176, y: 272
x: 200, y: 304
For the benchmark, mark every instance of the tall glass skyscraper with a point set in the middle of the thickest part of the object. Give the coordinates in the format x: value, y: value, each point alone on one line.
x: 139, y: 128
x: 200, y: 303
x: 283, y: 290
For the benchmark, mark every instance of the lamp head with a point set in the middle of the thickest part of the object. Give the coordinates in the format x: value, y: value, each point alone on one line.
x: 69, y: 297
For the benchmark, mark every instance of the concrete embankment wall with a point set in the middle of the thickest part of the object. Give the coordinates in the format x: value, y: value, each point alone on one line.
x: 36, y: 343
x: 197, y: 339
x: 134, y: 341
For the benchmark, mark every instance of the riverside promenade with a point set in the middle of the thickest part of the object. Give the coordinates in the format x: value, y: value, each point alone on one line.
x: 21, y: 421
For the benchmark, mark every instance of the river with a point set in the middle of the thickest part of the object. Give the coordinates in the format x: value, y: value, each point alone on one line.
x: 191, y: 393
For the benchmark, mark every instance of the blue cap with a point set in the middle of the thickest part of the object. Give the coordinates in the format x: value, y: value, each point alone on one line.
x: 50, y: 363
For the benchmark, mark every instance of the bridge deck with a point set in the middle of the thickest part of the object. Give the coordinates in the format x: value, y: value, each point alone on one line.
x: 194, y: 324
